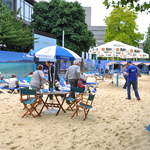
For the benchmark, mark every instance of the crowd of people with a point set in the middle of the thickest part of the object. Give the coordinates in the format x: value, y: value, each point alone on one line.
x: 39, y: 77
x: 74, y: 77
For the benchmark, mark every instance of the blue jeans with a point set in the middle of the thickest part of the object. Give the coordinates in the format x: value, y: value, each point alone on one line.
x: 125, y: 85
x: 135, y: 88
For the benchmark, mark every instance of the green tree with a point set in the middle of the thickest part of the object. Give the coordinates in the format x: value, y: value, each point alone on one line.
x: 137, y: 5
x: 14, y: 34
x: 57, y: 15
x: 121, y: 26
x: 147, y: 42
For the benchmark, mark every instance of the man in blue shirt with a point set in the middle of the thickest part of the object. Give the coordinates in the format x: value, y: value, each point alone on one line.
x: 132, y: 73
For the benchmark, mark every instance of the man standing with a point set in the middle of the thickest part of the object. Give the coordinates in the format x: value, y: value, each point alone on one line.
x: 52, y: 75
x: 132, y: 73
x: 73, y: 75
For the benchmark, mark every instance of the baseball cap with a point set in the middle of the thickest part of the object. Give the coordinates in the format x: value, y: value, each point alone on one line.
x: 129, y: 62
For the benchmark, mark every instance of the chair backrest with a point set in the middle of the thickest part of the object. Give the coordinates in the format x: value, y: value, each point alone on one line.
x: 27, y: 91
x: 78, y: 90
x: 89, y: 100
x: 91, y: 97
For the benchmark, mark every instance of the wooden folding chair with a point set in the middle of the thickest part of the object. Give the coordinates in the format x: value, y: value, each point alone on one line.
x: 30, y: 101
x: 85, y: 105
x: 72, y: 102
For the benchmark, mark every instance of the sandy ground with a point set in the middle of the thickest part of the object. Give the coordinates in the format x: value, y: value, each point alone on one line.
x: 113, y: 124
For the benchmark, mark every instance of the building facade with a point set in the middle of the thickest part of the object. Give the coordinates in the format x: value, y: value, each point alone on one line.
x: 25, y: 11
x: 87, y: 15
x: 98, y: 31
x: 23, y: 7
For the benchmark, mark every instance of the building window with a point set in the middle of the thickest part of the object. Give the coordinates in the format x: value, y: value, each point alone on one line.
x: 26, y: 10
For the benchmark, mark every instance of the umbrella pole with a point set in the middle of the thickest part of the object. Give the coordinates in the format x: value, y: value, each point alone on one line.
x: 54, y: 77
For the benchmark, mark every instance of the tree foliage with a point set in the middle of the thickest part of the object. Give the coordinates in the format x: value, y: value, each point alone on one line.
x: 137, y: 5
x: 121, y: 26
x: 147, y: 42
x: 14, y: 34
x: 57, y: 15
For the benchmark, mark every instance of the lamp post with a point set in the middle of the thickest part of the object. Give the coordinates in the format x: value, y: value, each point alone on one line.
x: 63, y: 38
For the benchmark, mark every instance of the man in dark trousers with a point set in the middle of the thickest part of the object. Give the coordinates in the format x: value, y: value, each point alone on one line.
x: 132, y: 77
x: 73, y: 75
x: 52, y: 75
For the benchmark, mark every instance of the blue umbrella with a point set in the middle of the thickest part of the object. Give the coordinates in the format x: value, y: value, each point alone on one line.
x: 55, y: 52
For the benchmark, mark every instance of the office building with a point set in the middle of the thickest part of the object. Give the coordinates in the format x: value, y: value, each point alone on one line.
x: 98, y: 31
x: 25, y: 8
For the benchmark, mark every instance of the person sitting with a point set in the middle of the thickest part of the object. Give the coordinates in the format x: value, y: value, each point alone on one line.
x: 57, y: 85
x: 1, y: 76
x: 38, y: 78
x: 13, y: 83
x: 81, y: 83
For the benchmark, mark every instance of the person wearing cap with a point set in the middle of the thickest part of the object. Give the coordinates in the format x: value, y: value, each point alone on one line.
x: 132, y: 77
x: 73, y: 75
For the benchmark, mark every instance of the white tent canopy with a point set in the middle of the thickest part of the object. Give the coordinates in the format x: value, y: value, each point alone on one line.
x: 118, y: 49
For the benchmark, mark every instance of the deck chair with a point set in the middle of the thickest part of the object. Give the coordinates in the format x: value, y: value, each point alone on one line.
x: 84, y: 105
x: 4, y: 86
x: 72, y: 102
x: 9, y: 90
x: 29, y: 99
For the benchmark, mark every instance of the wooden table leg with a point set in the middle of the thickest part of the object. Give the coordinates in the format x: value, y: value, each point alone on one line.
x: 60, y: 105
x: 44, y: 105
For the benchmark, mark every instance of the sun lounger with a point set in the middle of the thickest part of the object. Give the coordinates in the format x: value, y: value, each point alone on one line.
x: 12, y: 90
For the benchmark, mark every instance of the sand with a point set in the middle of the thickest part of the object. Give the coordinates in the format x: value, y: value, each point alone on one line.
x: 113, y: 124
